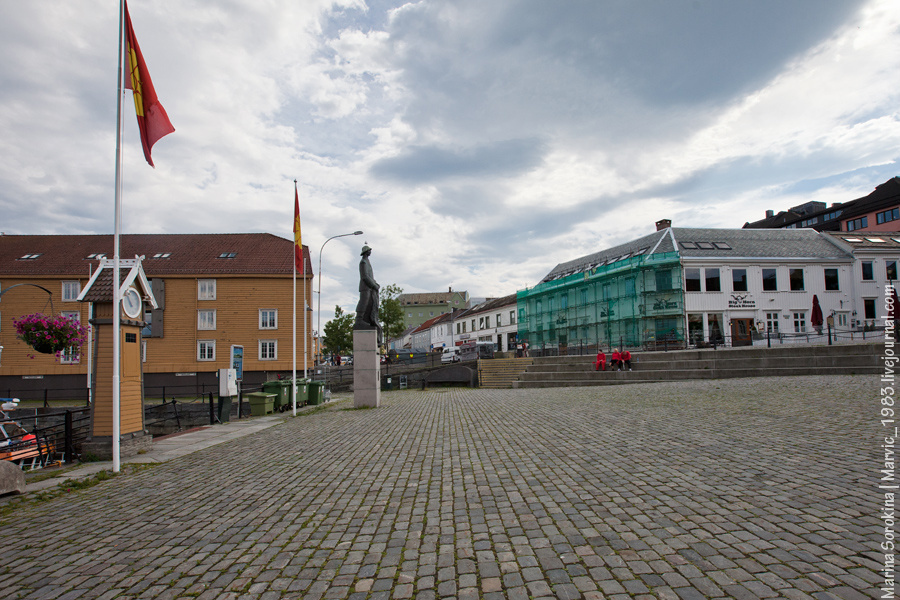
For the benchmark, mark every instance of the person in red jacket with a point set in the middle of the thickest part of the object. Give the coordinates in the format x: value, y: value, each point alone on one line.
x: 616, y: 362
x: 600, y: 363
x: 626, y: 359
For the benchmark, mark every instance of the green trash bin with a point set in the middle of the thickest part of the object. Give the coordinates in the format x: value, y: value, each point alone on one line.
x: 316, y: 392
x: 302, y: 392
x: 282, y: 390
x: 261, y: 403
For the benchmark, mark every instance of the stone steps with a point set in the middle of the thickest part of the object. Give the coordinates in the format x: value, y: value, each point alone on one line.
x: 498, y: 373
x: 724, y: 363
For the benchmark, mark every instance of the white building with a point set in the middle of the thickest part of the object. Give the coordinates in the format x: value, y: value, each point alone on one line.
x: 876, y: 256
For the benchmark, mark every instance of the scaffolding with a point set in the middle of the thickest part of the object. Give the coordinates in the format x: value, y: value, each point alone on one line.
x: 637, y: 302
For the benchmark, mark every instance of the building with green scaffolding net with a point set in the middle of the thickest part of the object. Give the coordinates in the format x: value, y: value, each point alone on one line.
x: 629, y: 296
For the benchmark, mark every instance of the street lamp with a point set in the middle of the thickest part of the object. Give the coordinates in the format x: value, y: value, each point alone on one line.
x: 319, y: 309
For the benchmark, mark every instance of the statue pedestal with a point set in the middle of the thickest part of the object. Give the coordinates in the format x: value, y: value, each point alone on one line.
x: 366, y: 369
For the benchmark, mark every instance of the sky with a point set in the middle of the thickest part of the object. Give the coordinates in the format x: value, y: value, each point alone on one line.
x: 477, y: 144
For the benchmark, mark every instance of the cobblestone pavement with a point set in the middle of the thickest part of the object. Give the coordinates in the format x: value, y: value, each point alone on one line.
x: 750, y: 488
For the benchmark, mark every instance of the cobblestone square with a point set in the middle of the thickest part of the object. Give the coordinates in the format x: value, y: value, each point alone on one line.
x: 742, y: 488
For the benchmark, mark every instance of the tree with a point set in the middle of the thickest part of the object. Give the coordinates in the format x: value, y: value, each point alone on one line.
x: 390, y: 312
x: 338, y: 333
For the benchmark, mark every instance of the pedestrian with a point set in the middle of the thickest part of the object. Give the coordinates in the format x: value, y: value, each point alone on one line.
x: 616, y: 363
x: 626, y: 359
x: 600, y: 363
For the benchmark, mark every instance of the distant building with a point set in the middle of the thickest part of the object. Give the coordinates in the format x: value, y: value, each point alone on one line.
x: 419, y: 308
x: 878, y: 211
x: 213, y: 291
x: 689, y: 287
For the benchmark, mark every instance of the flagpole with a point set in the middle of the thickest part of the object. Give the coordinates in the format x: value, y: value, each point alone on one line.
x: 117, y: 218
x: 294, y: 359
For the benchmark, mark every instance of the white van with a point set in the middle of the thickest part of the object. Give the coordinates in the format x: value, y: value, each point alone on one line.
x: 450, y: 354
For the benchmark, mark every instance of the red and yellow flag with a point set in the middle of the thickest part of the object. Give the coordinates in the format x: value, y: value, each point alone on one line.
x: 151, y: 116
x: 298, y: 242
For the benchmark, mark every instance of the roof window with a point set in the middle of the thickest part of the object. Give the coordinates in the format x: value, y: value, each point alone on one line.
x: 95, y: 256
x: 29, y: 257
x: 228, y: 255
x: 722, y: 246
x: 875, y: 240
x: 689, y: 245
x: 162, y: 255
x: 853, y: 240
x: 705, y: 246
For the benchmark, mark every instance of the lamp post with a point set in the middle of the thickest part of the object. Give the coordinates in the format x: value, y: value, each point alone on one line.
x: 319, y: 308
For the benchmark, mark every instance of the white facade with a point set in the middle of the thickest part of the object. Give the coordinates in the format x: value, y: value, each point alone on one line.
x: 876, y: 261
x: 494, y: 321
x: 731, y: 298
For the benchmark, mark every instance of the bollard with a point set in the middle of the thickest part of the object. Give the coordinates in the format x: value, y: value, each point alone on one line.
x: 70, y: 442
x: 212, y: 410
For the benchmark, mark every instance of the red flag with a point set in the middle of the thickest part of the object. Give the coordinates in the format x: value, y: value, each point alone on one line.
x: 151, y: 116
x: 298, y: 243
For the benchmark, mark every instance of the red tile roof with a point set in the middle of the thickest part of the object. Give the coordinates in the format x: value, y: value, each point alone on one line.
x: 191, y: 253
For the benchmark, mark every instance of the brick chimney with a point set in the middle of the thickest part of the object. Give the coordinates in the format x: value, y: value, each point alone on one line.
x: 663, y: 224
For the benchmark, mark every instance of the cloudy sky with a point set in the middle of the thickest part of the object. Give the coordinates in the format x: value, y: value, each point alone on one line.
x: 477, y: 144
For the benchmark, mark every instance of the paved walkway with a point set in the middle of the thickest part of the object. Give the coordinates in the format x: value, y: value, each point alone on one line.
x: 756, y: 488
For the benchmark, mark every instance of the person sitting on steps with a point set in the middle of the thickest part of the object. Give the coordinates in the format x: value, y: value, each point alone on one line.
x: 626, y: 359
x: 616, y: 363
x: 600, y: 363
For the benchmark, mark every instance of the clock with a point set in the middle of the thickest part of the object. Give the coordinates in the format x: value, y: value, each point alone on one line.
x: 131, y: 303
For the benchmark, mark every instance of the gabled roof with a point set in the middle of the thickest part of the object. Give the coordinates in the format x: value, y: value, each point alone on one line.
x: 755, y: 243
x: 100, y: 286
x: 716, y: 243
x: 430, y: 323
x: 164, y: 254
x: 492, y: 305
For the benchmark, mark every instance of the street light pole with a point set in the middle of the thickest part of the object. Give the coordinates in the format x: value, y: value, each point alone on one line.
x: 319, y: 308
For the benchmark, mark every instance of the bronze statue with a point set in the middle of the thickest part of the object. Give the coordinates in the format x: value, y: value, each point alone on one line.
x: 367, y: 308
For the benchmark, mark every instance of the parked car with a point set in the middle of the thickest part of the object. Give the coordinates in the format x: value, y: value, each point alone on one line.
x: 450, y: 355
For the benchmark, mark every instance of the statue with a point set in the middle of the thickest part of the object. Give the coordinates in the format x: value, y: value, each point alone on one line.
x: 367, y: 308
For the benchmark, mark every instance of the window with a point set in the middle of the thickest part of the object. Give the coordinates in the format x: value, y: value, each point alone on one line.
x: 70, y: 291
x: 71, y: 355
x: 268, y: 349
x: 487, y: 322
x: 772, y: 322
x: 695, y: 327
x: 796, y: 276
x: 868, y: 273
x: 860, y: 223
x: 890, y: 269
x: 739, y: 280
x: 206, y: 289
x: 721, y: 246
x: 206, y: 320
x: 714, y: 320
x: 512, y: 317
x: 689, y: 245
x: 564, y: 301
x: 705, y: 246
x: 800, y: 322
x: 629, y: 286
x: 713, y: 283
x: 606, y: 291
x: 831, y: 280
x: 206, y: 350
x: 692, y: 280
x: 498, y: 320
x: 888, y: 215
x: 228, y: 255
x: 473, y: 324
x: 769, y: 280
x: 869, y: 308
x: 480, y: 322
x: 162, y: 255
x: 663, y: 280
x: 268, y: 318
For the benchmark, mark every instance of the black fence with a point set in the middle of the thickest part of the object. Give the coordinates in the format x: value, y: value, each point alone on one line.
x: 45, y: 438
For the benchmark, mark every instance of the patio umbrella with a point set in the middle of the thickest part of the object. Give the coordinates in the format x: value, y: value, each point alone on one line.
x: 816, y: 319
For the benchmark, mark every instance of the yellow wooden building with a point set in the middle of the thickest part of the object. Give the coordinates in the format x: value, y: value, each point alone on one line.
x: 213, y: 291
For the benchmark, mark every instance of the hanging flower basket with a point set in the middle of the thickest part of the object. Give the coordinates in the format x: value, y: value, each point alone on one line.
x: 48, y: 334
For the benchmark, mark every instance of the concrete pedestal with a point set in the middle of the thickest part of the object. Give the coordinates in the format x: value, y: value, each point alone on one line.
x: 366, y: 369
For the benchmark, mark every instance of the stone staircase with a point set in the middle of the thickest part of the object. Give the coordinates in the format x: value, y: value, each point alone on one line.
x: 724, y: 363
x: 501, y: 372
